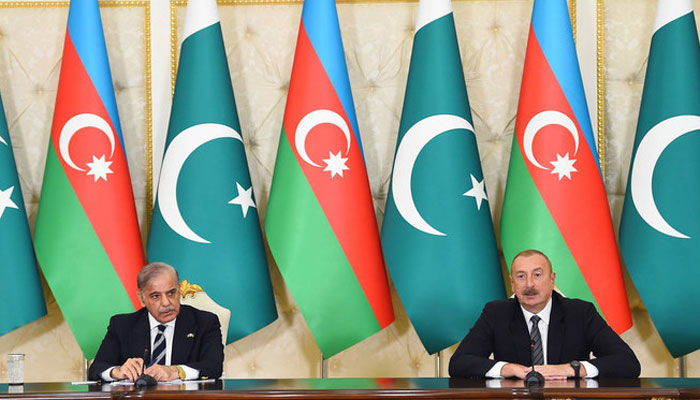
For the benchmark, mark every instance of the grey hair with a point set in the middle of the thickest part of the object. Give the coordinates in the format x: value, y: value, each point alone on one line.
x: 151, y: 270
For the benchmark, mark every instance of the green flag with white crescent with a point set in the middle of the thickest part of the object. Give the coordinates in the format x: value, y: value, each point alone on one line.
x: 23, y: 299
x: 437, y: 234
x: 205, y: 221
x: 660, y: 226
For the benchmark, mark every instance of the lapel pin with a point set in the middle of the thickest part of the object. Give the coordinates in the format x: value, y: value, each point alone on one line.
x: 190, y: 335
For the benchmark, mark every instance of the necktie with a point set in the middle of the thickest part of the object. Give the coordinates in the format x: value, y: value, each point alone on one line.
x: 536, y: 339
x: 159, y: 347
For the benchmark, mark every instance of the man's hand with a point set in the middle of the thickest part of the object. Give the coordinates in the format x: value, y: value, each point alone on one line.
x: 511, y: 370
x: 162, y: 373
x: 131, y: 369
x: 558, y: 371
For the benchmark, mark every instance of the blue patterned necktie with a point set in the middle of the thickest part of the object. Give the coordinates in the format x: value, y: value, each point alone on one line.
x: 159, y: 347
x: 536, y: 340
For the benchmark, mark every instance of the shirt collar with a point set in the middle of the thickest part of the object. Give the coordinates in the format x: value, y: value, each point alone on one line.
x: 153, y: 322
x: 544, y: 314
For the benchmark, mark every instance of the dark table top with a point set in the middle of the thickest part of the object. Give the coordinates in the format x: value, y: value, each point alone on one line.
x: 366, y: 388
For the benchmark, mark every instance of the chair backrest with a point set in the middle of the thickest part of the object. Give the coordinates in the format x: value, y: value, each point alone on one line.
x: 194, y: 295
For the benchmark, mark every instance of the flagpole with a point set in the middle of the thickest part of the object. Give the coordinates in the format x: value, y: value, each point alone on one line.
x: 85, y: 369
x: 683, y: 372
x: 324, y: 371
x: 437, y: 364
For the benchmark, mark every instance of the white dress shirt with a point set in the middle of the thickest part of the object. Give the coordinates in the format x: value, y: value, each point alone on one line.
x: 543, y: 326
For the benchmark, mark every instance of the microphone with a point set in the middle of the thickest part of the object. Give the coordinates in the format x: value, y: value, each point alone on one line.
x: 144, y: 379
x: 533, y: 378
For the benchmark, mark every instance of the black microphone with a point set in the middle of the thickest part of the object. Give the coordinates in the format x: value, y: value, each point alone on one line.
x: 533, y: 378
x: 144, y: 379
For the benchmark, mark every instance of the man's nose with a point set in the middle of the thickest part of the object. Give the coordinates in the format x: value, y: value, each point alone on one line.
x: 165, y: 301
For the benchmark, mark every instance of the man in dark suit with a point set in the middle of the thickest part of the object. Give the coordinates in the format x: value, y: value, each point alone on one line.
x: 567, y: 331
x: 183, y: 342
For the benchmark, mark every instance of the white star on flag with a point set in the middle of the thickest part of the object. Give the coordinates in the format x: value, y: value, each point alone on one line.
x: 99, y: 168
x: 5, y: 200
x: 563, y: 166
x: 335, y: 164
x: 244, y: 199
x: 478, y: 192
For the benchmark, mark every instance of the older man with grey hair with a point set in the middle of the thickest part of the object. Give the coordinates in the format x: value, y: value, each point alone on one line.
x: 183, y: 342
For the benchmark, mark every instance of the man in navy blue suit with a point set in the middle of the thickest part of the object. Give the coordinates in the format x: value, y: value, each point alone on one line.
x: 183, y: 342
x: 567, y: 331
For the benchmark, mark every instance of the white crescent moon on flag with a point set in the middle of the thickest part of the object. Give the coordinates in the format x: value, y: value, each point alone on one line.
x: 411, y: 145
x: 184, y: 144
x: 77, y: 123
x: 650, y: 148
x: 310, y: 121
x: 3, y: 141
x: 541, y: 120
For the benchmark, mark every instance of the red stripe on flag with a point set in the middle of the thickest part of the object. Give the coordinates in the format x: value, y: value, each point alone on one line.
x: 345, y: 200
x: 109, y: 205
x: 578, y: 205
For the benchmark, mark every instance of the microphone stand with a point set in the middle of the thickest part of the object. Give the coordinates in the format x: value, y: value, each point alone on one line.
x: 533, y: 378
x: 144, y: 379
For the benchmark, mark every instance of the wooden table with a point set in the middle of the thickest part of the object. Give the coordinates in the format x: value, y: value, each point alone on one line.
x: 369, y: 388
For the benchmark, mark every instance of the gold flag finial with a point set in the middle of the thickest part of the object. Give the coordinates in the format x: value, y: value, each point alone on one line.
x: 187, y: 288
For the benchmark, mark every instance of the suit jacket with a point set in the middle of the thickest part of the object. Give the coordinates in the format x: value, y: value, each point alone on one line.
x: 196, y: 342
x: 575, y: 330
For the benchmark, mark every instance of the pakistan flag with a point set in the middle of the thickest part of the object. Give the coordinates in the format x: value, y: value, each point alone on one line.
x: 205, y: 221
x: 660, y: 226
x: 23, y: 297
x: 437, y: 234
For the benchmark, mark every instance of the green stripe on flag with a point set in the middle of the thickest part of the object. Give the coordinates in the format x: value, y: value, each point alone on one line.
x: 324, y: 285
x: 527, y: 224
x: 77, y: 269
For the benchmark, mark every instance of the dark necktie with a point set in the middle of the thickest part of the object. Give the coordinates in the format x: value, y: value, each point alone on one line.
x: 536, y: 339
x: 159, y: 347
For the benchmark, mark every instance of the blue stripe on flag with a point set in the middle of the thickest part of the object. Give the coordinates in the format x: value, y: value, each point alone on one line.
x: 320, y: 19
x: 552, y: 27
x: 85, y: 30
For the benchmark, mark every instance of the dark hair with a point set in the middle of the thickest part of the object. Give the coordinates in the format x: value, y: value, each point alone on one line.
x: 153, y: 269
x: 530, y: 253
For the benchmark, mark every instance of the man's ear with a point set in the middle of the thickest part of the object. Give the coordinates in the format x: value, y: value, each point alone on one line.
x: 140, y: 296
